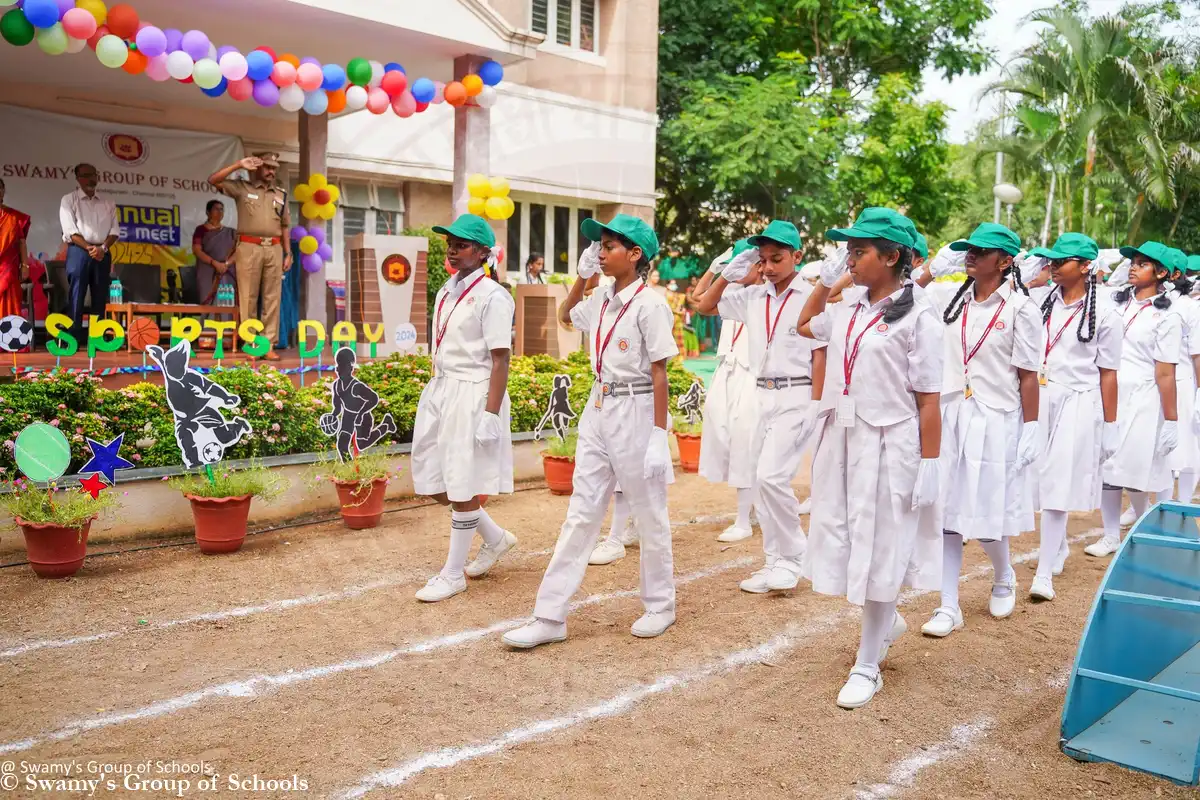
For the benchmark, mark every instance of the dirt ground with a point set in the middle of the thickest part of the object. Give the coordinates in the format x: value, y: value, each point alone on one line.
x: 304, y: 658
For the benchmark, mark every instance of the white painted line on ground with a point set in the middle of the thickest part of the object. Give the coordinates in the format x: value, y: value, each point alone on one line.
x: 274, y: 606
x: 261, y: 684
x: 904, y: 774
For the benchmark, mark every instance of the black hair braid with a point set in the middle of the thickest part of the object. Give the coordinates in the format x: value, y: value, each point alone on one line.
x: 1089, y: 313
x: 1048, y: 306
x: 1162, y: 302
x: 956, y: 305
x: 1185, y: 285
x: 904, y: 303
x: 643, y: 267
x: 1124, y: 296
x: 1016, y: 276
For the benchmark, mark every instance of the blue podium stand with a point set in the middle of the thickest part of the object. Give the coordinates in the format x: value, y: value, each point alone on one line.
x: 1134, y: 693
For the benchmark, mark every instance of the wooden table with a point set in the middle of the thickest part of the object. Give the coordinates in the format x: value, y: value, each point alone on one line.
x: 125, y: 312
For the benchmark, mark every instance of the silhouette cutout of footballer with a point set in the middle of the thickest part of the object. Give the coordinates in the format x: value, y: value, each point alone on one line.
x: 559, y: 412
x: 352, y: 420
x: 691, y: 402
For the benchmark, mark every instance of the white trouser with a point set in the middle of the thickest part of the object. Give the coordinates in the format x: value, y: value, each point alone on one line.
x: 783, y: 414
x: 611, y: 450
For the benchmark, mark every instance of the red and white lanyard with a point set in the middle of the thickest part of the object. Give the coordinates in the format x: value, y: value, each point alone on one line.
x: 850, y: 355
x: 599, y: 349
x: 967, y: 356
x: 438, y: 327
x: 737, y: 333
x: 771, y: 329
x: 1051, y: 342
x: 1133, y: 319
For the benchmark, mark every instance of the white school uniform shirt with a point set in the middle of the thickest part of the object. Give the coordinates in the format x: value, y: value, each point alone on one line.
x: 1151, y: 335
x: 1188, y: 309
x: 733, y: 345
x: 643, y: 337
x: 1071, y: 363
x: 476, y: 321
x: 894, y: 359
x: 789, y: 354
x: 93, y: 218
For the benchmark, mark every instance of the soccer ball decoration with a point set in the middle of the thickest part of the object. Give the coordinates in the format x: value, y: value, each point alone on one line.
x: 15, y: 333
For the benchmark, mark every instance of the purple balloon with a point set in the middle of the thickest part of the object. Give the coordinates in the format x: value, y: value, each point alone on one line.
x: 223, y: 49
x: 298, y: 233
x: 266, y: 93
x: 151, y: 41
x: 174, y: 39
x: 325, y: 252
x: 318, y: 233
x: 312, y: 262
x: 64, y: 6
x: 310, y: 60
x: 195, y: 44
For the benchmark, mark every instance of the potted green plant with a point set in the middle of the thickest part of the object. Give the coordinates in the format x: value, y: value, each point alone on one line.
x: 558, y: 462
x: 220, y: 499
x: 361, y: 483
x: 687, y: 436
x: 55, y: 523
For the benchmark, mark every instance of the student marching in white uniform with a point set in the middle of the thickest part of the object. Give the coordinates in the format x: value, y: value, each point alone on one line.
x: 1146, y: 410
x: 875, y: 526
x: 462, y: 445
x: 993, y: 345
x: 782, y: 364
x: 621, y: 534
x: 1078, y: 378
x: 622, y: 431
x: 1185, y: 459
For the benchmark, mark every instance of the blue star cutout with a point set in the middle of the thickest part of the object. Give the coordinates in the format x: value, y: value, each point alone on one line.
x: 106, y: 459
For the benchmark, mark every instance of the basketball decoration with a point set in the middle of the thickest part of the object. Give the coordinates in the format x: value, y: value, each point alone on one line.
x: 143, y: 332
x: 396, y: 269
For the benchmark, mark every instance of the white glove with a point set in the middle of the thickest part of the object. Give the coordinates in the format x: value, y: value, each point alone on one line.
x: 948, y: 262
x: 928, y: 486
x: 589, y: 261
x: 809, y: 427
x: 1029, y: 448
x: 1120, y: 275
x: 1110, y: 439
x: 740, y: 266
x: 1168, y: 438
x: 834, y: 267
x: 1106, y: 260
x: 718, y: 263
x: 658, y: 456
x: 1196, y: 415
x: 489, y: 429
x: 1030, y: 266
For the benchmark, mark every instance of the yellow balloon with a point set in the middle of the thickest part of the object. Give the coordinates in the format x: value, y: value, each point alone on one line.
x: 478, y: 185
x: 303, y: 193
x: 510, y: 207
x: 317, y: 181
x: 334, y: 193
x: 308, y: 245
x: 328, y: 211
x: 310, y: 210
x: 477, y: 206
x: 499, y: 187
x: 496, y: 208
x: 96, y: 8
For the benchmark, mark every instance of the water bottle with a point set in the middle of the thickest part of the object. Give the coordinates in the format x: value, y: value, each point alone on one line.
x: 116, y: 293
x: 226, y: 294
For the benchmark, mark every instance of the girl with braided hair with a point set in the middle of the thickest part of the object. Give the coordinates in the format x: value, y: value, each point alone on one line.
x: 1078, y: 403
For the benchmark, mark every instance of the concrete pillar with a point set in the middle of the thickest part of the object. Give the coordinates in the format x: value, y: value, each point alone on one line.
x: 314, y: 141
x: 472, y: 137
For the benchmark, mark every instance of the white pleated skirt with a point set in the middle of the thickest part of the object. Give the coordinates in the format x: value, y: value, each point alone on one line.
x: 1187, y: 454
x: 984, y: 495
x: 730, y: 419
x: 1135, y: 466
x: 445, y: 457
x: 1068, y: 475
x: 865, y: 541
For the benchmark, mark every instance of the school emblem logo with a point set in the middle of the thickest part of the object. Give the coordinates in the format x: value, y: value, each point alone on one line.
x: 623, y: 345
x: 125, y: 149
x: 1000, y: 325
x: 470, y: 301
x: 882, y: 327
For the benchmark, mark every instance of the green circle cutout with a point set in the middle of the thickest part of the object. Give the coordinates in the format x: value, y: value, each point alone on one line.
x: 42, y: 452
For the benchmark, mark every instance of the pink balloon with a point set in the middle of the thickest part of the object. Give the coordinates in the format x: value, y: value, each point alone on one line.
x: 405, y: 105
x: 79, y: 23
x: 156, y: 68
x: 309, y: 77
x: 233, y: 66
x: 378, y: 101
x: 241, y: 90
x: 284, y: 74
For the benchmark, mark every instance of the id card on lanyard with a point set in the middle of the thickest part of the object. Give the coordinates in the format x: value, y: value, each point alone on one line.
x: 1043, y: 376
x: 967, y: 356
x: 599, y: 348
x: 844, y: 416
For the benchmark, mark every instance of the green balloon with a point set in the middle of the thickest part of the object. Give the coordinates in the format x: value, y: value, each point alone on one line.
x: 42, y: 452
x: 359, y: 71
x: 53, y: 40
x: 112, y: 51
x: 15, y: 28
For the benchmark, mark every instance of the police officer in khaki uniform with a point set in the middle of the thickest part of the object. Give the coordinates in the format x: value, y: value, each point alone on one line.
x: 263, y: 250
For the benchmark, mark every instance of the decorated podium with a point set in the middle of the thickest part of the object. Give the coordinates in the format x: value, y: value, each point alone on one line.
x: 538, y: 329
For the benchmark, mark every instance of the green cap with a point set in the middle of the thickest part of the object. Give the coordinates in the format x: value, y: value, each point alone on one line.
x: 1193, y: 264
x: 1069, y: 245
x: 1156, y: 251
x: 878, y: 223
x: 922, y: 246
x: 990, y: 236
x: 471, y: 228
x: 739, y: 247
x: 632, y: 228
x: 1178, y: 260
x: 778, y: 232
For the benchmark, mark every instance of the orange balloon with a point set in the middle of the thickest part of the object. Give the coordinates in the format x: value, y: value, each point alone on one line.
x: 136, y: 63
x: 456, y: 94
x: 337, y: 101
x: 291, y: 59
x: 123, y: 21
x: 473, y: 84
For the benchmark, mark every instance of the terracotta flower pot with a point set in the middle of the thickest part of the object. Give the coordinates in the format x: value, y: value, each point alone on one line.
x: 361, y: 508
x: 220, y: 522
x: 560, y: 473
x: 55, y: 551
x: 689, y: 452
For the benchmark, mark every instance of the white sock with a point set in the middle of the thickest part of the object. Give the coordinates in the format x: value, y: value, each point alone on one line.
x: 877, y: 622
x: 492, y: 533
x: 1187, y: 485
x: 997, y: 551
x: 1140, y: 502
x: 1110, y: 512
x: 462, y: 531
x: 1054, y: 533
x: 952, y: 558
x: 745, y: 503
x: 620, y: 515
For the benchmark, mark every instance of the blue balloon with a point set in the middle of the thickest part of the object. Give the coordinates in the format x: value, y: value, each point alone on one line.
x: 316, y: 103
x: 217, y: 90
x: 392, y: 66
x: 423, y: 90
x: 335, y: 77
x: 491, y: 73
x: 260, y: 64
x: 41, y: 13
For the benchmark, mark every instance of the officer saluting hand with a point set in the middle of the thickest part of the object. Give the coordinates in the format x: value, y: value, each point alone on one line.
x: 263, y: 251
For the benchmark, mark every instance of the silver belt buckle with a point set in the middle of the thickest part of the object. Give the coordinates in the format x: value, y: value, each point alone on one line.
x: 770, y: 383
x: 265, y: 241
x: 606, y: 388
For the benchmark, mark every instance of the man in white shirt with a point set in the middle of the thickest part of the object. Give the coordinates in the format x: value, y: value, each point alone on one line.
x: 90, y: 228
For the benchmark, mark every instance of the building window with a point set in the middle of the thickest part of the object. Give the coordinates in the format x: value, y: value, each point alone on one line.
x: 587, y: 25
x: 584, y: 213
x: 512, y: 259
x: 537, y: 228
x: 387, y: 223
x: 354, y: 221
x: 541, y: 16
x: 562, y: 239
x: 571, y: 23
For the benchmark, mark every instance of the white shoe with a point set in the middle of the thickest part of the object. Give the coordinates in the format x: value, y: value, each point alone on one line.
x: 757, y: 583
x: 653, y: 623
x: 784, y: 576
x: 1002, y: 607
x: 628, y: 536
x: 806, y: 506
x: 735, y: 534
x: 487, y: 556
x: 1129, y: 517
x: 1042, y: 589
x: 945, y: 621
x: 607, y: 552
x: 440, y: 587
x: 540, y: 631
x: 1103, y: 547
x: 1060, y: 560
x: 899, y: 628
x: 860, y: 688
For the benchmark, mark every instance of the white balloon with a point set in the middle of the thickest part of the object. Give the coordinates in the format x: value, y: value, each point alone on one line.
x: 356, y: 98
x: 75, y: 45
x: 487, y: 98
x: 376, y: 74
x: 291, y: 98
x: 180, y: 65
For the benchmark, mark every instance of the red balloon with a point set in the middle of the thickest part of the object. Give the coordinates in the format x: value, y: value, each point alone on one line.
x: 264, y: 48
x: 122, y: 21
x: 421, y: 107
x: 394, y: 83
x: 100, y: 33
x: 188, y: 79
x: 241, y: 89
x: 321, y: 196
